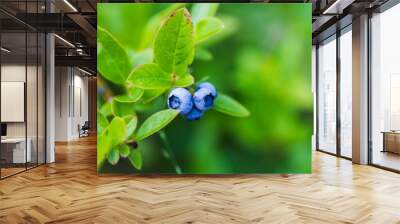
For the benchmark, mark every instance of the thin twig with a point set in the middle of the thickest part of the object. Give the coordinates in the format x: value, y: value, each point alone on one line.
x: 168, y: 153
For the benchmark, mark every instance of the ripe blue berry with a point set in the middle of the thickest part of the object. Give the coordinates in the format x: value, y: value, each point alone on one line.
x: 208, y: 86
x: 194, y: 114
x: 203, y: 99
x: 180, y: 99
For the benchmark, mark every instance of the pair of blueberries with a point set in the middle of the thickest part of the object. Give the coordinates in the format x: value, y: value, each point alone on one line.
x: 193, y: 107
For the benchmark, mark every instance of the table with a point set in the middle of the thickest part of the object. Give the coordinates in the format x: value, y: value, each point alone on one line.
x: 17, y: 150
x: 391, y: 141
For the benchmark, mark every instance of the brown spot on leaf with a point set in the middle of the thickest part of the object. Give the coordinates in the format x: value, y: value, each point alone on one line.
x: 187, y: 15
x: 173, y: 78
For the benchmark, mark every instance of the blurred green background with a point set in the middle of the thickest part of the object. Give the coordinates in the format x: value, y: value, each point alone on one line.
x: 262, y: 58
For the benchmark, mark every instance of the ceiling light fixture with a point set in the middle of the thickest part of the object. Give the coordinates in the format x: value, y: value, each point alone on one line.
x: 70, y: 5
x: 79, y: 51
x: 337, y: 7
x: 64, y: 40
x: 84, y: 71
x: 329, y: 9
x: 5, y: 50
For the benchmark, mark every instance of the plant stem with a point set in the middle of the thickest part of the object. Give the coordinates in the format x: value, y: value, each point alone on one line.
x: 168, y: 153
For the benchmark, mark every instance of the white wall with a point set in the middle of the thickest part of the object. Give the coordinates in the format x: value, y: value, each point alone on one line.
x: 71, y: 94
x: 80, y: 110
x: 61, y: 104
x: 16, y: 73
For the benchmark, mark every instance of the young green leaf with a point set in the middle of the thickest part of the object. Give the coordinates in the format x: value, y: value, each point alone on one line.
x: 122, y: 109
x: 102, y: 122
x: 207, y: 27
x: 124, y: 150
x: 131, y: 123
x: 184, y: 81
x: 228, y: 105
x: 150, y: 76
x: 117, y: 131
x: 136, y: 159
x: 174, y: 44
x: 132, y: 96
x: 201, y: 10
x: 103, y: 146
x: 155, y: 123
x: 113, y: 62
x: 113, y: 156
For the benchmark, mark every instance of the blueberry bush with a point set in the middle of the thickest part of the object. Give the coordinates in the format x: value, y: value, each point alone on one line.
x: 160, y: 73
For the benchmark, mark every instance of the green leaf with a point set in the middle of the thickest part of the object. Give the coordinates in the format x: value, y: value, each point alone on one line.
x: 103, y: 146
x: 147, y: 37
x: 155, y: 123
x: 227, y: 105
x: 132, y: 96
x: 117, y: 131
x: 136, y: 159
x: 131, y: 123
x: 203, y: 54
x: 106, y: 109
x: 122, y: 109
x: 112, y: 60
x: 124, y: 150
x: 102, y: 122
x: 150, y: 76
x: 141, y: 57
x: 207, y: 27
x: 113, y: 156
x: 174, y: 44
x: 184, y: 81
x: 201, y: 10
x: 151, y: 94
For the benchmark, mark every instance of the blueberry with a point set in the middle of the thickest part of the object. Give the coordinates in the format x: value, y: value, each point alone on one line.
x: 180, y: 99
x: 203, y: 99
x: 208, y: 86
x: 195, y: 114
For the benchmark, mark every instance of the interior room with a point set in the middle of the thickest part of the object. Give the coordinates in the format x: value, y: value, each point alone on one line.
x: 52, y: 129
x: 385, y: 90
x: 72, y: 112
x: 23, y: 95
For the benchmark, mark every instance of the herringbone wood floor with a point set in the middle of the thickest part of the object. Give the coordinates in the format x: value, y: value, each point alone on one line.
x: 70, y: 191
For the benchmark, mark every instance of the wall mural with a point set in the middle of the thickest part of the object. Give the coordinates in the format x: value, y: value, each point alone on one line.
x: 204, y: 88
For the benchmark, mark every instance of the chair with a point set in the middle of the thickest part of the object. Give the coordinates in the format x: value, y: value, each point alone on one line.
x: 84, y: 129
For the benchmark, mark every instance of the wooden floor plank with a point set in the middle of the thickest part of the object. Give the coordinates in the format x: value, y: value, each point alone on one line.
x: 70, y: 191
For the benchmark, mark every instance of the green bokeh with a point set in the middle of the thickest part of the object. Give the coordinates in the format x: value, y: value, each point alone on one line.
x: 262, y: 59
